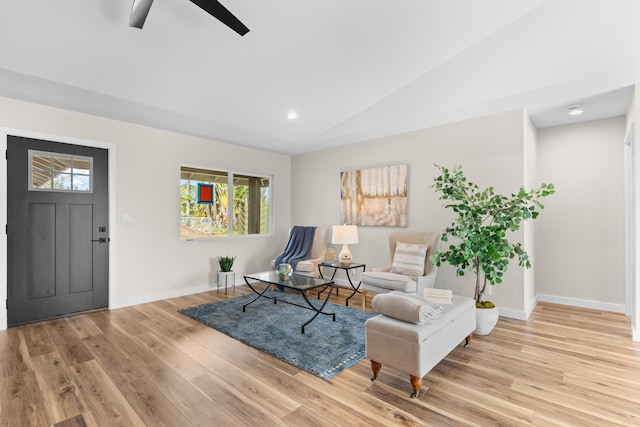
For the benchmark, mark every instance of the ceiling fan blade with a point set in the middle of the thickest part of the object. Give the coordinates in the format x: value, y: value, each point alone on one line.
x: 214, y: 8
x: 139, y: 12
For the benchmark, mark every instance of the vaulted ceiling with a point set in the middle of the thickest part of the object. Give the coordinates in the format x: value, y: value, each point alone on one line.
x: 352, y: 70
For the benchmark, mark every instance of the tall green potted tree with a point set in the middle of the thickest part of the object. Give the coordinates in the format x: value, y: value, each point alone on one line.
x: 481, y: 229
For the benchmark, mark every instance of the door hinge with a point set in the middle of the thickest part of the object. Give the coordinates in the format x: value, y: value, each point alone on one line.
x: 6, y: 229
x: 6, y: 303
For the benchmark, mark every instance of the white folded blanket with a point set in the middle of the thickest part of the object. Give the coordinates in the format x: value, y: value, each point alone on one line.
x: 408, y: 308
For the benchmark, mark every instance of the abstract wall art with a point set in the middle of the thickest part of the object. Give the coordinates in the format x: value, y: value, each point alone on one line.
x: 374, y: 196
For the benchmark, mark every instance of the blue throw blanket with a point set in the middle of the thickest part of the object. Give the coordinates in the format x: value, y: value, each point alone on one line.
x: 298, y: 247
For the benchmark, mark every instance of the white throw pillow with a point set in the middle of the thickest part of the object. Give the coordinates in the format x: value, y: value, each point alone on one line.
x: 408, y: 259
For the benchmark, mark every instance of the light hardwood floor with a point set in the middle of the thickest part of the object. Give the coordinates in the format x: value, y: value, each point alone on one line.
x: 150, y: 365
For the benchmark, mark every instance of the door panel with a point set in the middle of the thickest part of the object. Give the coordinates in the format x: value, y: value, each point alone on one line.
x: 80, y: 248
x: 58, y: 251
x: 41, y: 261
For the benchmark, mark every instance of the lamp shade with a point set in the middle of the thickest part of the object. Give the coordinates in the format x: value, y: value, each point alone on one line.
x: 345, y: 234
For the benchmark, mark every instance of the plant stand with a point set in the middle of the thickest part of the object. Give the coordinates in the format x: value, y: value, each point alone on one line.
x: 226, y: 278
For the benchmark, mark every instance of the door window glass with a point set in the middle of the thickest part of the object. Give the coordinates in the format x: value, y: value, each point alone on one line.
x: 59, y: 172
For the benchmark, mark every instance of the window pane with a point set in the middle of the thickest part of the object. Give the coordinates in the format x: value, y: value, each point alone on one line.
x: 81, y: 166
x: 40, y: 179
x: 250, y: 205
x: 203, y: 220
x: 41, y: 162
x: 62, y: 164
x: 81, y: 183
x: 62, y: 181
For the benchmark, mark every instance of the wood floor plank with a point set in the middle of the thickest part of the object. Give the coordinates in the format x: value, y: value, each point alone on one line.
x: 128, y: 373
x: 83, y: 326
x: 344, y: 402
x: 103, y: 399
x: 172, y: 333
x: 148, y: 365
x: 14, y: 353
x: 77, y: 421
x: 58, y: 389
x: 232, y: 407
x: 67, y: 343
x: 187, y: 367
x: 22, y: 403
x: 246, y: 386
x: 37, y: 339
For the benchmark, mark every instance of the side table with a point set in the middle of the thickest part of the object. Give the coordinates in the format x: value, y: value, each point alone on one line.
x: 346, y: 267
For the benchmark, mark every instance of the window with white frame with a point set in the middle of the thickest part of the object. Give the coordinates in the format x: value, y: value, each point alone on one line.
x: 215, y: 203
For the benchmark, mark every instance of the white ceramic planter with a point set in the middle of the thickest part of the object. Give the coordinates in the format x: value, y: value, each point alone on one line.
x: 486, y: 320
x: 226, y: 278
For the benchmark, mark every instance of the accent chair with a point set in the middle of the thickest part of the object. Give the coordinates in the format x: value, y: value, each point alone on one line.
x: 410, y: 271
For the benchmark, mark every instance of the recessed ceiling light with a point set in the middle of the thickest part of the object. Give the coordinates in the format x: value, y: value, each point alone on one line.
x: 575, y: 110
x: 292, y: 115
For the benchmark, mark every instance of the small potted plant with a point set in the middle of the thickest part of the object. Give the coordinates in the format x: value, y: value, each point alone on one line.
x: 480, y: 229
x: 226, y: 276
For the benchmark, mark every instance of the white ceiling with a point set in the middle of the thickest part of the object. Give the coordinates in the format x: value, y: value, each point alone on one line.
x: 353, y: 70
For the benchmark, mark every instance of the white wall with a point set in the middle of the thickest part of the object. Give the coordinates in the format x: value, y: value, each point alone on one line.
x: 490, y: 149
x: 150, y: 261
x: 633, y: 125
x: 580, y: 234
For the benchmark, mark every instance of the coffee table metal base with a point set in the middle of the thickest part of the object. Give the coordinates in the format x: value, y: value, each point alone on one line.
x: 309, y: 306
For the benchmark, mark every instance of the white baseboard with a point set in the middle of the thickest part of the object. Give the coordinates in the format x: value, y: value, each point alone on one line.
x: 163, y: 295
x: 635, y: 334
x: 138, y: 300
x: 512, y: 314
x: 576, y: 302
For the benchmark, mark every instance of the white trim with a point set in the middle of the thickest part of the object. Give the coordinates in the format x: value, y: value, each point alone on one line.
x: 111, y: 148
x: 512, y: 314
x: 164, y: 295
x: 597, y: 305
x: 3, y: 235
x: 629, y: 225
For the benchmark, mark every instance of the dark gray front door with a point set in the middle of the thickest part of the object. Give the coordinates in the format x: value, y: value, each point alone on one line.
x: 57, y: 231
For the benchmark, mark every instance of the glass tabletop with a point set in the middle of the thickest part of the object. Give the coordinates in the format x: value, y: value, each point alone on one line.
x: 338, y: 264
x: 295, y: 281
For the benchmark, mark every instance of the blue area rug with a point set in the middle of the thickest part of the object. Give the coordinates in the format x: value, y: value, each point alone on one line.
x: 325, y: 349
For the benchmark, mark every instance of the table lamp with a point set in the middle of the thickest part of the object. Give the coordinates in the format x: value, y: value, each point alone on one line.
x: 345, y: 234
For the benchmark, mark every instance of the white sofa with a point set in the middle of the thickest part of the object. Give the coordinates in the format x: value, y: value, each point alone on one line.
x: 309, y: 266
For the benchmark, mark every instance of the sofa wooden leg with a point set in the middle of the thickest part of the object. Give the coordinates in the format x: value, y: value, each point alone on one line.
x: 375, y: 367
x: 416, y: 383
x: 467, y: 340
x: 364, y: 299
